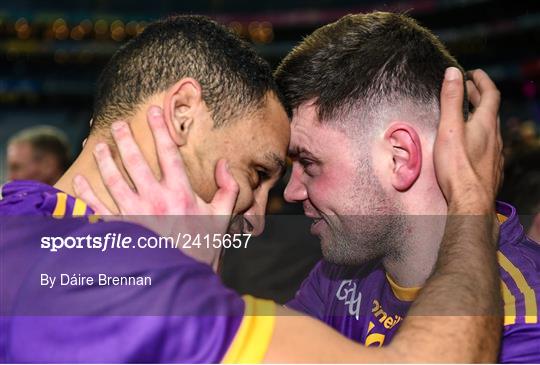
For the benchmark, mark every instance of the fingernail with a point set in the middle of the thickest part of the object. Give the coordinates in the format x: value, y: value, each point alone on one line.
x: 77, y: 179
x: 155, y: 111
x: 452, y: 73
x: 117, y: 126
x: 100, y: 148
x: 76, y: 184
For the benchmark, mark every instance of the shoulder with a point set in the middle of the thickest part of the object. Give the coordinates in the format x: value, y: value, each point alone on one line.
x: 519, y: 262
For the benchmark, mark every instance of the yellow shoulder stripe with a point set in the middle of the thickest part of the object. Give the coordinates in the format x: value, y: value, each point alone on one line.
x: 253, y: 336
x: 79, y: 208
x: 509, y: 305
x: 60, y: 208
x: 531, y: 312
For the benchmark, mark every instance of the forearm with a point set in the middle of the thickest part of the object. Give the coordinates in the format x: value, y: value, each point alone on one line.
x: 457, y: 316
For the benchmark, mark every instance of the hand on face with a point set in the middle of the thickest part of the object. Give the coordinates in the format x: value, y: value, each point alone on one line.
x: 167, y: 205
x: 468, y: 155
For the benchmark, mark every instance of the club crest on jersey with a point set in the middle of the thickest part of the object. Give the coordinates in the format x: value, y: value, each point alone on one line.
x: 347, y: 294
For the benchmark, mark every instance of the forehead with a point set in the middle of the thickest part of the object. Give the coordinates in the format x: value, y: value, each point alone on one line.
x: 309, y: 135
x: 306, y: 130
x: 273, y: 121
x: 267, y: 132
x: 18, y: 149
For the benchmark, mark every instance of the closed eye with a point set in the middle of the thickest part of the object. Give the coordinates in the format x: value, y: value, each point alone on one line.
x: 263, y: 175
x: 305, y: 162
x: 309, y: 166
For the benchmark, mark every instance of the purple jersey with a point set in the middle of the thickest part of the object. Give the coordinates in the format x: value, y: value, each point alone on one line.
x: 366, y: 305
x: 185, y: 316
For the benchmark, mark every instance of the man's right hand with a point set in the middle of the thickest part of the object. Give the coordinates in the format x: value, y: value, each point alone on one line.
x: 468, y: 155
x: 168, y: 205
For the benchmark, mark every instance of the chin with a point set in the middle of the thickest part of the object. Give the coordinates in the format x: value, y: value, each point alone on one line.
x: 341, y: 251
x: 333, y: 253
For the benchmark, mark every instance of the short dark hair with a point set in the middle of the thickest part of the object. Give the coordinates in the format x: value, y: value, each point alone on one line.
x: 46, y: 140
x: 234, y: 79
x: 364, y: 59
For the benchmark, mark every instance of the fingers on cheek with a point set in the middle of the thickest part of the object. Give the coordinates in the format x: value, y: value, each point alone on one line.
x: 113, y: 181
x: 132, y: 159
x: 120, y: 131
x: 157, y: 124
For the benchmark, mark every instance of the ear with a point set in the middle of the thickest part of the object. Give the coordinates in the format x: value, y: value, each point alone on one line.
x: 179, y: 108
x: 406, y: 154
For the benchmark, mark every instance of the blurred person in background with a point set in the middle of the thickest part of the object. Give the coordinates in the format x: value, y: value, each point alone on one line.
x: 521, y: 188
x: 39, y: 153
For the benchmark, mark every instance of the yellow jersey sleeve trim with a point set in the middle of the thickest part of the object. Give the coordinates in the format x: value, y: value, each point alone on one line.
x: 60, y: 208
x: 531, y: 312
x: 509, y: 305
x: 403, y: 293
x: 79, y: 208
x: 253, y: 336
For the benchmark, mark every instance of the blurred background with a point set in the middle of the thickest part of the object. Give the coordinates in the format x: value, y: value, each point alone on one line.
x: 51, y: 53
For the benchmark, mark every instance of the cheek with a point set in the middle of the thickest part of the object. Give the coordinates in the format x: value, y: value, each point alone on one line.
x: 245, y: 198
x: 329, y: 190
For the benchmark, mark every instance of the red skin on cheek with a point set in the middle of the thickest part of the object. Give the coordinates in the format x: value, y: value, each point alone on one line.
x: 329, y: 190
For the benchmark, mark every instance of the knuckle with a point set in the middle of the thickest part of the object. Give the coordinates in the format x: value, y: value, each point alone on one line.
x: 132, y: 159
x: 123, y: 132
x: 452, y: 90
x: 160, y: 207
x: 171, y: 152
x: 112, y: 181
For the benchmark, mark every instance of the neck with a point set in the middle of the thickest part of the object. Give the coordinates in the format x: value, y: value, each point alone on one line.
x: 85, y: 165
x: 421, y: 246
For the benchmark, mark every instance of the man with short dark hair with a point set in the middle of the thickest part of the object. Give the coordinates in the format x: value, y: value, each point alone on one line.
x: 363, y: 94
x: 39, y: 153
x: 212, y: 87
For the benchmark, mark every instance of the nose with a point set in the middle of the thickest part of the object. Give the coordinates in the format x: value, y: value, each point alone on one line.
x: 295, y: 191
x: 254, y: 217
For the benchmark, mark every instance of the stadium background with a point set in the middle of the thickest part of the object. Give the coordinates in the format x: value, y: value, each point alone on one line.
x: 51, y: 53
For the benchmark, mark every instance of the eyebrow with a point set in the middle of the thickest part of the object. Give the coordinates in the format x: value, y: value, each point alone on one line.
x: 296, y: 151
x: 278, y: 163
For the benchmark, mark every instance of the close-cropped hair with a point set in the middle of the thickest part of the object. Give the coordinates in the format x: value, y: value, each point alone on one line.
x: 363, y: 61
x: 233, y: 78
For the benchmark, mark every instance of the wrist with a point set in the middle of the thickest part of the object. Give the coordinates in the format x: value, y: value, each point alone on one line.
x: 471, y: 204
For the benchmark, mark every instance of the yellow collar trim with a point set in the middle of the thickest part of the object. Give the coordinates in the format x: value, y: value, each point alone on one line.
x: 410, y: 294
x: 402, y: 293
